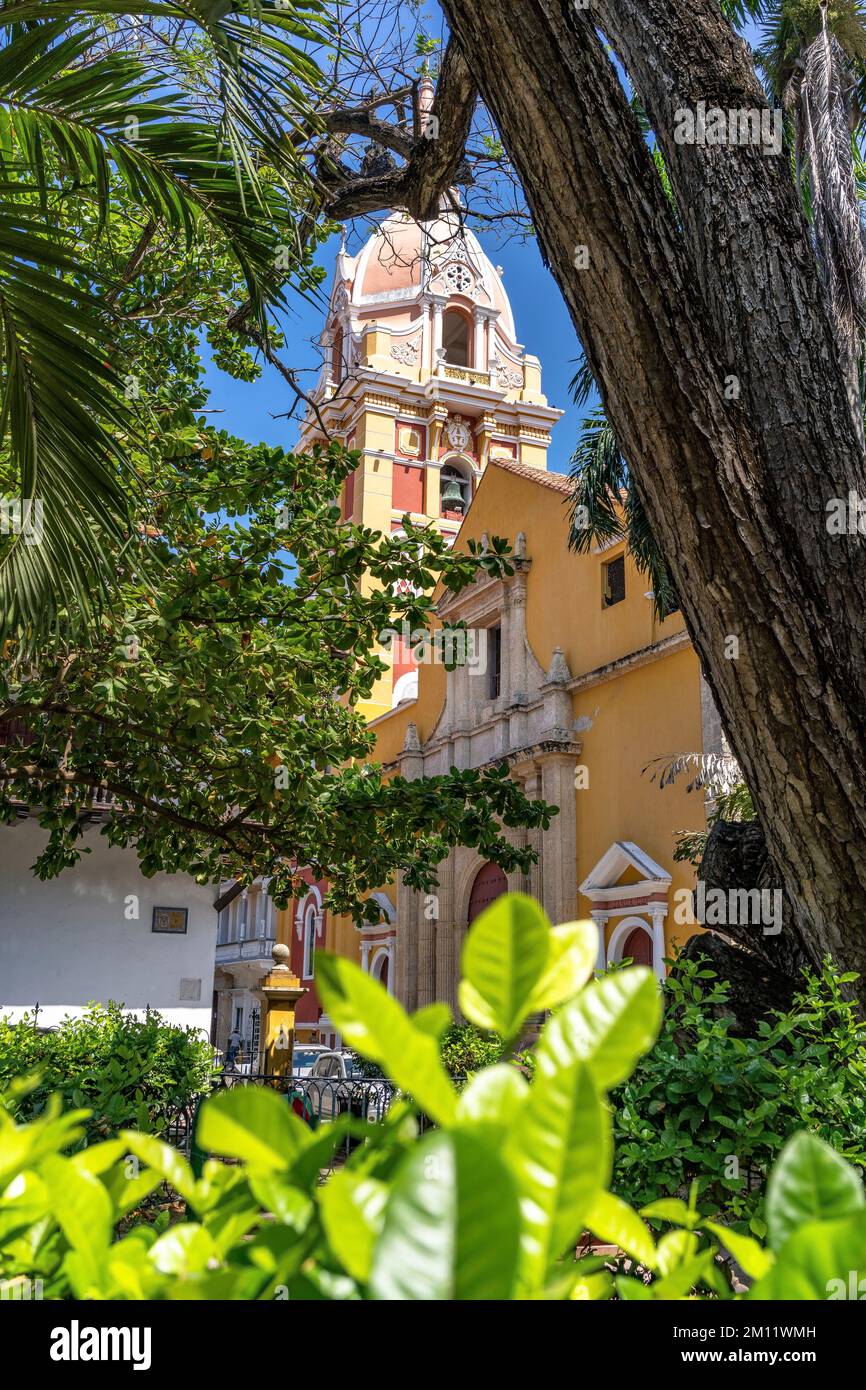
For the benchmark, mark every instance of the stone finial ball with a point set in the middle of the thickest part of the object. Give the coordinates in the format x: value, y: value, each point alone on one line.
x: 280, y: 953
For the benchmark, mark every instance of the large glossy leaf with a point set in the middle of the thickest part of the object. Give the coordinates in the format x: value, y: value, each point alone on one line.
x: 609, y: 1026
x: 559, y: 1148
x: 505, y: 957
x: 353, y: 1214
x: 254, y: 1124
x: 572, y: 958
x: 81, y: 1205
x: 612, y: 1220
x: 372, y: 1021
x: 822, y: 1260
x: 452, y: 1224
x: 165, y: 1159
x: 184, y: 1249
x: 493, y: 1097
x: 809, y: 1182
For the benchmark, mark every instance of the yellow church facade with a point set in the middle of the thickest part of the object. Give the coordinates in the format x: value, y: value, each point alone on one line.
x: 571, y: 680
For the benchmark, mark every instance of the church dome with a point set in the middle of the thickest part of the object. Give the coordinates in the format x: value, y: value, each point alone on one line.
x: 404, y: 259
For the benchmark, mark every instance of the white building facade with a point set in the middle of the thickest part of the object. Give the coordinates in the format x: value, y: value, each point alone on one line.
x: 102, y: 931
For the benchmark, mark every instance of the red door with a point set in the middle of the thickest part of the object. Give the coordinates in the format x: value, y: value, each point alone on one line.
x: 638, y: 947
x: 490, y: 883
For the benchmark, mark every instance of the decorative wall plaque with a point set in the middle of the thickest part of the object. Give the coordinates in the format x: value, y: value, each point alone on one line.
x: 172, y: 920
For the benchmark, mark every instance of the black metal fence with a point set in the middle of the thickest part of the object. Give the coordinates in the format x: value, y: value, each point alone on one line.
x: 315, y: 1100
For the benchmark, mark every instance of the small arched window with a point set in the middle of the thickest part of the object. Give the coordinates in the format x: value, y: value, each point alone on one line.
x: 455, y: 338
x: 455, y: 491
x: 309, y: 941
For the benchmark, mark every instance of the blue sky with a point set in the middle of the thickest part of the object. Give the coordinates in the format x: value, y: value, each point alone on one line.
x: 542, y: 326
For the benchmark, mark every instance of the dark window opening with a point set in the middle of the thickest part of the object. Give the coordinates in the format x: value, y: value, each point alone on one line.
x: 614, y: 581
x: 453, y: 492
x: 337, y: 372
x: 494, y: 661
x: 455, y: 338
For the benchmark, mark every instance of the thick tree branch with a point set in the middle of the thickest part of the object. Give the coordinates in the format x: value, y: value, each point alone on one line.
x: 362, y: 121
x: 433, y: 163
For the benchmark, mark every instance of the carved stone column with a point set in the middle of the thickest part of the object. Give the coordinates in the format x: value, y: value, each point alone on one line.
x: 559, y: 884
x: 405, y: 946
x: 439, y: 303
x: 479, y: 357
x: 447, y: 935
x: 425, y: 930
x: 658, y: 913
x: 600, y: 919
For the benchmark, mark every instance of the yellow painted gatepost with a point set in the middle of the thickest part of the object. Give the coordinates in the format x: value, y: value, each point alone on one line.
x: 281, y: 991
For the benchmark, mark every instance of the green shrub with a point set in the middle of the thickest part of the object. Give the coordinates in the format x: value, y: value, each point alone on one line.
x: 464, y: 1049
x: 704, y: 1106
x: 125, y: 1070
x: 489, y: 1205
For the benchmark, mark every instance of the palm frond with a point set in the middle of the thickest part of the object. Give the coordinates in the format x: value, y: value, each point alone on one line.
x: 605, y: 505
x: 790, y: 26
x: 824, y: 106
x: 582, y: 384
x: 646, y: 554
x: 598, y: 473
x: 739, y: 11
x: 716, y: 773
x: 77, y: 116
x: 63, y: 417
x: 95, y: 115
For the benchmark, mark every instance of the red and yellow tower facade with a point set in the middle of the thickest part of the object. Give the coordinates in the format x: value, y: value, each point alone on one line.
x: 424, y: 376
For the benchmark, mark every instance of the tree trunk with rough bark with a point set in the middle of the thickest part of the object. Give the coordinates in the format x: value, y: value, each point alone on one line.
x: 709, y: 334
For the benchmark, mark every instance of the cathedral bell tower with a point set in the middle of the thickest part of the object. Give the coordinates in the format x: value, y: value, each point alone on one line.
x: 423, y: 374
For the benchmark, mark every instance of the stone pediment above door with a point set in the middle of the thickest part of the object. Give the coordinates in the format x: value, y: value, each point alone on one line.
x: 628, y: 887
x: 624, y: 877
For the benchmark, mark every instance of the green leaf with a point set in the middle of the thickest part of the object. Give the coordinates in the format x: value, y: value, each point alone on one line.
x: 253, y: 1124
x: 573, y: 954
x: 612, y: 1220
x: 674, y: 1249
x: 823, y: 1260
x: 288, y: 1204
x: 433, y: 1019
x: 164, y: 1159
x: 609, y: 1026
x: 749, y: 1255
x: 632, y: 1290
x: 592, y: 1288
x: 372, y: 1021
x: 685, y: 1274
x: 452, y: 1224
x: 353, y: 1215
x: 184, y: 1249
x: 493, y: 1096
x: 670, y: 1209
x: 559, y: 1149
x: 81, y: 1205
x: 505, y: 956
x: 809, y: 1181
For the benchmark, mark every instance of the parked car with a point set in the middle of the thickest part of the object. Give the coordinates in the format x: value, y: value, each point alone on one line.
x: 337, y: 1086
x: 305, y: 1056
